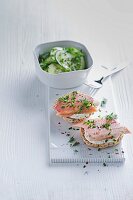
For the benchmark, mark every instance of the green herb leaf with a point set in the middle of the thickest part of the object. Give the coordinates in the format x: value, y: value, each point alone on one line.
x: 72, y: 139
x: 111, y: 116
x: 75, y: 150
x: 75, y: 143
x: 107, y: 126
x: 90, y: 123
x: 103, y: 102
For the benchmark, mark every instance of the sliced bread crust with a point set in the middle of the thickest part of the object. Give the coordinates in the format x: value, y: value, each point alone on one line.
x: 105, y: 145
x: 73, y: 121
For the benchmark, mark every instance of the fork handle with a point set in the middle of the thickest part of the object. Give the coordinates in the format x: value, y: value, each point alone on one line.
x: 114, y: 71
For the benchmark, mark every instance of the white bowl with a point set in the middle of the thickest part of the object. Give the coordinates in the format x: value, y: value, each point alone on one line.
x: 67, y: 79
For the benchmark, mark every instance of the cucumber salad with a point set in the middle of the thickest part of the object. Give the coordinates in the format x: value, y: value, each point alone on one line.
x: 60, y: 60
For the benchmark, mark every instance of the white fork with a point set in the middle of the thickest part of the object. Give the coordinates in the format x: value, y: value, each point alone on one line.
x: 99, y: 83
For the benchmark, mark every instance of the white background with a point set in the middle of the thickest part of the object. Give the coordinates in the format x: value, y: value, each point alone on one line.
x: 106, y: 28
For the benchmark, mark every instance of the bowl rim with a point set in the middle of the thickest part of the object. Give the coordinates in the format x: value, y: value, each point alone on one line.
x: 77, y: 71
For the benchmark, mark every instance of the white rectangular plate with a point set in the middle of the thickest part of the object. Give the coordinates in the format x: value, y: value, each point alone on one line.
x: 60, y: 131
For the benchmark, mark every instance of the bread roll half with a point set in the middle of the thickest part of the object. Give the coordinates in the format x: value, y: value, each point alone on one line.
x: 104, y: 145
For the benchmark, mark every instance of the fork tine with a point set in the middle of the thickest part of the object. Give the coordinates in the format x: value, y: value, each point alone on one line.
x: 93, y: 91
x: 90, y: 90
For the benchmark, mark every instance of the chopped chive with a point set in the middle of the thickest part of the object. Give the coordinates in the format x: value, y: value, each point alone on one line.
x: 107, y: 126
x: 72, y: 139
x: 75, y: 143
x: 103, y: 102
x: 111, y: 116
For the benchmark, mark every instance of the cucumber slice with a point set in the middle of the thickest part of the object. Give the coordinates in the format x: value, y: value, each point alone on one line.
x: 54, y: 50
x: 75, y: 52
x: 55, y: 69
x: 78, y: 58
x: 42, y: 57
x: 64, y: 59
x: 71, y: 58
x: 82, y: 63
x: 78, y: 61
x: 48, y: 61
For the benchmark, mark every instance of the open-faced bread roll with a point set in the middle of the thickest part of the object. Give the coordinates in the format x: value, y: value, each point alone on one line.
x: 75, y: 106
x: 102, y: 133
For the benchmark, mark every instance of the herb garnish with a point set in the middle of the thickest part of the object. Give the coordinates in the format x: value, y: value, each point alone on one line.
x: 73, y: 142
x: 74, y: 92
x: 87, y: 103
x: 64, y: 98
x: 116, y: 149
x: 75, y: 150
x: 72, y: 139
x: 103, y: 102
x: 90, y: 123
x: 111, y: 116
x: 107, y: 126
